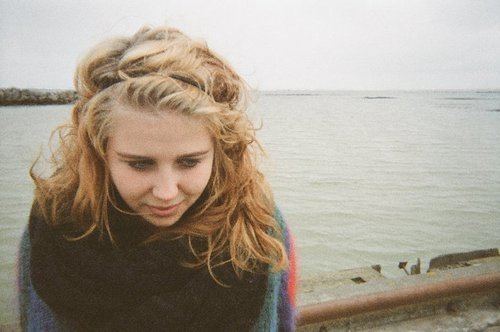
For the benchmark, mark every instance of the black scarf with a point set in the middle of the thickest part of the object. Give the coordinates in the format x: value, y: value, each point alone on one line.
x: 99, y: 287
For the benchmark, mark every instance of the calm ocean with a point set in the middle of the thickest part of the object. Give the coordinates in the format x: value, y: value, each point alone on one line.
x: 362, y: 177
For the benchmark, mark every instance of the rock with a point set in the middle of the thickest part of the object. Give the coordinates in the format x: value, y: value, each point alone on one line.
x: 15, y: 96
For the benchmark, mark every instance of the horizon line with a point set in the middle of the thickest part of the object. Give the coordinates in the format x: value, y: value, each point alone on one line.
x: 308, y: 91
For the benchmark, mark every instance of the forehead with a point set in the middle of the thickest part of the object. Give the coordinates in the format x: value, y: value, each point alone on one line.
x: 157, y: 134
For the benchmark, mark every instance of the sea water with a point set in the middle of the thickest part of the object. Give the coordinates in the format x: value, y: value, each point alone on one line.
x: 364, y: 177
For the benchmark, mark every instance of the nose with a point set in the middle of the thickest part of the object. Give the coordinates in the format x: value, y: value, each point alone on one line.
x: 166, y: 184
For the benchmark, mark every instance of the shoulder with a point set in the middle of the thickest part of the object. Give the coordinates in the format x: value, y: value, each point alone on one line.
x: 279, y: 309
x: 278, y: 215
x: 286, y: 233
x: 35, y: 314
x: 288, y: 279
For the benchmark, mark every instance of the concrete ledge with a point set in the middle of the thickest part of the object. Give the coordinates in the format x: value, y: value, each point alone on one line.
x: 469, y: 312
x: 385, y: 302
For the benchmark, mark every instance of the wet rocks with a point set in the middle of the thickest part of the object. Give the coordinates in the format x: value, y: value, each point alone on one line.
x: 15, y: 96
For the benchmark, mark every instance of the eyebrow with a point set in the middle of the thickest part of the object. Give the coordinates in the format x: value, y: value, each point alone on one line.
x: 187, y: 155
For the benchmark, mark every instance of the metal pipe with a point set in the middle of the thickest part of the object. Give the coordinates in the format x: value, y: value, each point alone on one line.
x: 334, y: 309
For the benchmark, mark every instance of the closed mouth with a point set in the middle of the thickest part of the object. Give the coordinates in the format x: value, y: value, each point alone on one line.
x: 163, y: 211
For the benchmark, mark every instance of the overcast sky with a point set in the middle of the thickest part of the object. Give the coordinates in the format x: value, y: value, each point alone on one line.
x: 274, y: 44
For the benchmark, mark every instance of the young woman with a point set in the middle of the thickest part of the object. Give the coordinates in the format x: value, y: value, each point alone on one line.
x: 155, y: 216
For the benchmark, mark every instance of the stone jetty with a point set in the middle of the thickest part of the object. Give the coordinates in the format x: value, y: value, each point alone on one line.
x: 15, y: 96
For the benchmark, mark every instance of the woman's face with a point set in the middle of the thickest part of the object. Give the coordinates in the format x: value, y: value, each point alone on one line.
x: 159, y: 163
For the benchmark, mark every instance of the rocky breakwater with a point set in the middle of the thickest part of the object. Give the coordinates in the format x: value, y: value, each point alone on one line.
x: 15, y: 96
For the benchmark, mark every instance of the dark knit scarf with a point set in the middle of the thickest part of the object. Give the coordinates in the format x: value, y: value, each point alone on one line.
x: 99, y: 287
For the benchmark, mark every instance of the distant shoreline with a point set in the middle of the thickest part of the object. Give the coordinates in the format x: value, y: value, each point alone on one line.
x: 16, y: 96
x: 337, y: 91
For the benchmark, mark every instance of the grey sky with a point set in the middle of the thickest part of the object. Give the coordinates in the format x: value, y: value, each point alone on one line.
x: 357, y: 44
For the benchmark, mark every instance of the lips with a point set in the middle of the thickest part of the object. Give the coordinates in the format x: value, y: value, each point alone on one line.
x: 164, y: 211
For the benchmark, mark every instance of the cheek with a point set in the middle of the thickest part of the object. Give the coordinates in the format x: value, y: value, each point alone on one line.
x: 196, y: 181
x: 128, y: 184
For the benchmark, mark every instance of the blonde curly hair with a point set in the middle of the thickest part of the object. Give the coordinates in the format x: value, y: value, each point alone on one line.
x: 161, y: 68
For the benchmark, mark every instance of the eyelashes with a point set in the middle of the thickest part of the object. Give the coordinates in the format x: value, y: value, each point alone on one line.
x: 189, y: 162
x: 140, y: 165
x: 143, y: 165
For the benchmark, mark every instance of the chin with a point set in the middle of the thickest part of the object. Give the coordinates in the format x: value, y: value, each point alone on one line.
x: 162, y: 222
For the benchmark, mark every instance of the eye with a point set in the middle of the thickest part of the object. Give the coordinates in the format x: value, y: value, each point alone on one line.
x: 140, y: 165
x: 189, y: 162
